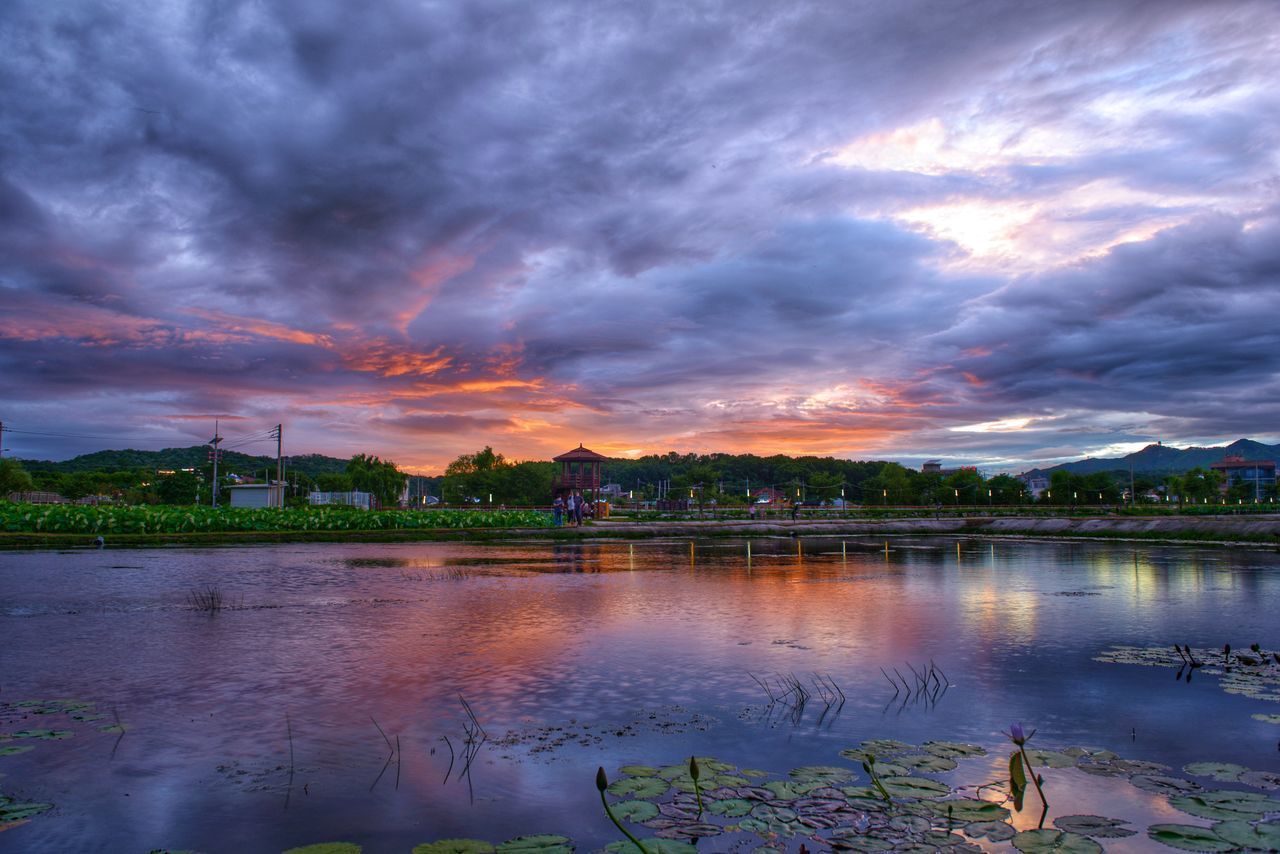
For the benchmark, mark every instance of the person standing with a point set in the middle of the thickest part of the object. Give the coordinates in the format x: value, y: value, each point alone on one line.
x: 557, y: 511
x: 572, y: 507
x: 578, y: 510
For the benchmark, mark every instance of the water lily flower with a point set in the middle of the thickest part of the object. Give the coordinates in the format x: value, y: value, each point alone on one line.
x: 1017, y: 735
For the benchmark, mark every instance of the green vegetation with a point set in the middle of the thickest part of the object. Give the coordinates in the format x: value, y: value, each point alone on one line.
x: 184, y: 476
x: 478, y: 476
x: 181, y: 477
x: 14, y: 478
x: 106, y: 520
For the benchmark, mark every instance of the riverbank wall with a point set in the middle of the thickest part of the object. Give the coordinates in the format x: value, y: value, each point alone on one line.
x: 1248, y: 530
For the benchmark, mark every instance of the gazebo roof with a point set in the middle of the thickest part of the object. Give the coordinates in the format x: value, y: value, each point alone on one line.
x: 579, y: 454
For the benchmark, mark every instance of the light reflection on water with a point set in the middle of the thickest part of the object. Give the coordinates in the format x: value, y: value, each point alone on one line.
x: 641, y: 651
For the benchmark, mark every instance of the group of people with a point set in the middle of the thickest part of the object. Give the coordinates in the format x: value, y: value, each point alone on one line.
x: 574, y: 508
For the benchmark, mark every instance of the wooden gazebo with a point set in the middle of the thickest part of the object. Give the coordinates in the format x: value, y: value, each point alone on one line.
x: 579, y: 471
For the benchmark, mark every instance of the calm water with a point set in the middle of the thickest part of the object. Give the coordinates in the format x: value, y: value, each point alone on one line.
x: 574, y: 656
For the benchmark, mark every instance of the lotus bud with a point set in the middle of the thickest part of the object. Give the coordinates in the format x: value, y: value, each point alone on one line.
x: 693, y: 767
x: 602, y: 782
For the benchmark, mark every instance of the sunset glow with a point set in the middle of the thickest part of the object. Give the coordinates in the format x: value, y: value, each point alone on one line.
x: 990, y: 233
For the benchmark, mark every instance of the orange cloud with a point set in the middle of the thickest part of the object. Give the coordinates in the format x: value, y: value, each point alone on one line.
x: 391, y: 360
x: 261, y: 328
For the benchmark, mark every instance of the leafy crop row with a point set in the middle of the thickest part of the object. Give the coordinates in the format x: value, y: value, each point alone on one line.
x: 73, y: 519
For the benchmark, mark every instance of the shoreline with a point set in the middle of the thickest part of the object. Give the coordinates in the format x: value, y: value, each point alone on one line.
x: 1252, y: 531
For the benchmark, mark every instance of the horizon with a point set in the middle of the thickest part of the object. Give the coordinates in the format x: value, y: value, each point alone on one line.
x: 906, y: 463
x: 1001, y: 234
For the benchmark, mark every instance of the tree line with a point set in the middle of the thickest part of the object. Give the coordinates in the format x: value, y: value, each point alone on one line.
x: 488, y: 477
x: 194, y: 484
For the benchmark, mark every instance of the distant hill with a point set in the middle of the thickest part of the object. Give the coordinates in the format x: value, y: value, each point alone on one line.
x: 180, y: 458
x: 1163, y: 459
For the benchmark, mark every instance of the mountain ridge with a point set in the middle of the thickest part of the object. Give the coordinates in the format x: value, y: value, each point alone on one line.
x: 1165, y: 459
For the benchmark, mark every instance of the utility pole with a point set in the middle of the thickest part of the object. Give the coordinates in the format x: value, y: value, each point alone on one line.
x: 279, y: 431
x: 1133, y: 494
x: 1, y: 438
x: 214, y: 455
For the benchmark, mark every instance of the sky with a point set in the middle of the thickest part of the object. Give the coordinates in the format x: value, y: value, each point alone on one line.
x: 1005, y: 233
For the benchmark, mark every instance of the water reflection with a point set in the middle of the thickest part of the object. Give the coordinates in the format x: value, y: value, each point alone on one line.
x: 573, y: 656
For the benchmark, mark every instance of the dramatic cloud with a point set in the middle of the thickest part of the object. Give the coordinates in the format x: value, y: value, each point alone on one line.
x: 997, y: 231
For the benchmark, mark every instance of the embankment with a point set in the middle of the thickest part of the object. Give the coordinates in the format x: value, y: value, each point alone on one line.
x: 1252, y: 530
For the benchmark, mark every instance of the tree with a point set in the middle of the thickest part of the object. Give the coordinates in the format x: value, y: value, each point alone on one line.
x: 177, y: 488
x: 964, y: 487
x: 824, y: 486
x: 1006, y: 489
x: 378, y: 477
x: 891, y: 486
x: 13, y: 478
x: 331, y: 482
x: 473, y: 476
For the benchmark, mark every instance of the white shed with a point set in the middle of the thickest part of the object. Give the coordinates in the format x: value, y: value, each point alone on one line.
x: 257, y: 495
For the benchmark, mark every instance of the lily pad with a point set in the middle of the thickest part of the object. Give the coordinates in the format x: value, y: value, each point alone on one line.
x: 639, y: 787
x: 545, y: 843
x: 1189, y: 837
x: 772, y: 814
x: 454, y: 846
x: 11, y: 749
x: 1267, y: 719
x: 926, y: 763
x: 329, y: 848
x: 1036, y: 841
x: 824, y: 773
x: 1161, y: 785
x: 1227, y: 772
x: 17, y: 812
x: 638, y: 771
x: 653, y: 846
x: 730, y: 807
x: 1225, y: 804
x: 855, y: 841
x: 698, y: 830
x: 952, y: 749
x: 1094, y: 825
x: 1261, y: 779
x: 43, y: 734
x: 1050, y: 759
x: 914, y: 824
x: 636, y: 811
x: 789, y: 790
x: 964, y: 810
x: 935, y: 839
x: 915, y: 787
x: 996, y: 831
x: 1264, y: 837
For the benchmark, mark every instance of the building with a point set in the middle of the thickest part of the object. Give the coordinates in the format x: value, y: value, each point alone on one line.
x: 257, y: 495
x: 579, y: 471
x: 1036, y: 485
x: 1261, y: 474
x: 935, y: 467
x: 769, y: 495
x: 362, y: 500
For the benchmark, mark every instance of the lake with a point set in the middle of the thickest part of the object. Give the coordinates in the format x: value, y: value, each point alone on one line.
x: 324, y: 701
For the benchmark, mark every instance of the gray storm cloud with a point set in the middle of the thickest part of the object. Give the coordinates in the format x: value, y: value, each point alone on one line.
x: 811, y: 227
